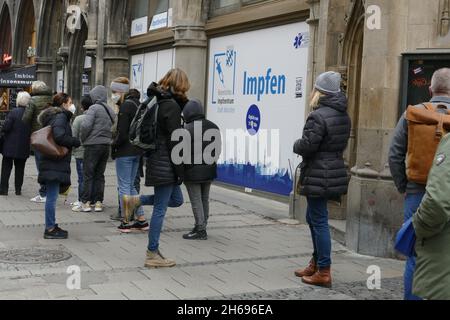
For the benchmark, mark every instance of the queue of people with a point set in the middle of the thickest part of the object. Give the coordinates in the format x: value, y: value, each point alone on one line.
x: 417, y: 161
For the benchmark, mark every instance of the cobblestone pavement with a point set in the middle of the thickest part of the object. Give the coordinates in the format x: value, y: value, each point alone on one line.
x: 250, y: 254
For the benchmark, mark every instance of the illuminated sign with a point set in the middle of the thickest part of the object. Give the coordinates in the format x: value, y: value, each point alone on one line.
x: 6, y: 59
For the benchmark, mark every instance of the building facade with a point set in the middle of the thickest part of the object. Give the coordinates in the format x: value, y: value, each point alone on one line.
x: 253, y: 64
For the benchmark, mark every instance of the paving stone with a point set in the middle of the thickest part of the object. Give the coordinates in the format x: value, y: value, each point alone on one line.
x: 249, y: 254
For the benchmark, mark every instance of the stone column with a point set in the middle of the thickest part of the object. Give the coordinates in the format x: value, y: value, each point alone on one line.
x: 115, y: 52
x: 375, y: 208
x: 191, y: 43
x: 45, y: 71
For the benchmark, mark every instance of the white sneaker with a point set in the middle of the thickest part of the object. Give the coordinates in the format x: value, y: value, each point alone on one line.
x: 83, y: 207
x: 99, y: 207
x: 76, y: 204
x: 77, y: 208
x: 39, y: 199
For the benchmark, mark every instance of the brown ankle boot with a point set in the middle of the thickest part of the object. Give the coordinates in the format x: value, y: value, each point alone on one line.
x: 309, y: 271
x: 321, y: 278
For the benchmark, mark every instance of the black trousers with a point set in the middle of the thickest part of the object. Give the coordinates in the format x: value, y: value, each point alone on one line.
x: 94, y: 166
x: 7, y: 165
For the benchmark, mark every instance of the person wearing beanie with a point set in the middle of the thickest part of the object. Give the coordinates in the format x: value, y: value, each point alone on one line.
x: 126, y: 156
x: 199, y: 175
x: 78, y: 153
x: 16, y: 146
x: 323, y: 175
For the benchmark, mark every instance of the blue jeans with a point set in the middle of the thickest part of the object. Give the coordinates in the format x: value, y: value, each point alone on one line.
x: 317, y: 218
x: 42, y: 189
x: 50, y: 205
x: 80, y: 177
x: 127, y: 169
x: 165, y: 196
x: 412, y: 203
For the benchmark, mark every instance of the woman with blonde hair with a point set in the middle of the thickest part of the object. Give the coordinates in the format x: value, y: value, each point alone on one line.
x: 162, y: 173
x: 324, y: 174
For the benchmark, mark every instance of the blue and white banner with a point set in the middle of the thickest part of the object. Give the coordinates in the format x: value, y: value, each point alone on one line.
x: 256, y: 96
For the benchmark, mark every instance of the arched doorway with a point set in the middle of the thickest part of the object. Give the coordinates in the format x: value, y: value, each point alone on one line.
x: 5, y: 38
x: 76, y: 61
x: 26, y: 34
x: 352, y: 60
x: 49, y: 35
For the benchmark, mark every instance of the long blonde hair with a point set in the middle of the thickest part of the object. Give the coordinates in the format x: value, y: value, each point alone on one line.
x: 316, y: 95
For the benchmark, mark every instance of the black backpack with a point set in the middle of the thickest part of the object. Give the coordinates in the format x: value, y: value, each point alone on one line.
x: 143, y: 128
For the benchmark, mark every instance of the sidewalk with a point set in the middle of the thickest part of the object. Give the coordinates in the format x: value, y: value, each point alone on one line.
x: 250, y: 254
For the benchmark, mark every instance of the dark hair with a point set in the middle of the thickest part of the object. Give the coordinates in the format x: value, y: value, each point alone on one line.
x: 86, y: 102
x: 134, y: 93
x: 60, y: 98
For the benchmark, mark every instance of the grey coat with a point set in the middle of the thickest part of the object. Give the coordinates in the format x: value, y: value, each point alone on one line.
x: 97, y: 124
x: 399, y: 150
x: 78, y: 153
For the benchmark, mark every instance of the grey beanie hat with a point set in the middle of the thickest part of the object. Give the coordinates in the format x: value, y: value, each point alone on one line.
x: 329, y: 82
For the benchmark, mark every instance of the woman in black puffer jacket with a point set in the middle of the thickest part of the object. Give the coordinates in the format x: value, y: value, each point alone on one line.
x: 162, y: 173
x: 324, y: 175
x: 55, y: 174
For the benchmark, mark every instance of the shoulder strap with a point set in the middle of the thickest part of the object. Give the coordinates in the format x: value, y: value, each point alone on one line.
x: 132, y: 101
x: 107, y: 111
x: 429, y: 106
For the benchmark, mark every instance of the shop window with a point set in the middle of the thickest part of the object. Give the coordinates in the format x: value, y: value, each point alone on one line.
x: 149, y: 15
x: 221, y: 7
x: 140, y: 8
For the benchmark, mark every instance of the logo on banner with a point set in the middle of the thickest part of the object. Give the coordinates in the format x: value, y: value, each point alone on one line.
x: 224, y: 77
x: 253, y: 120
x: 301, y: 40
x: 137, y: 74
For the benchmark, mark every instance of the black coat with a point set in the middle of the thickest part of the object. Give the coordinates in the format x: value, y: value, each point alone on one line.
x: 17, y: 135
x: 51, y: 170
x: 199, y: 173
x: 121, y: 146
x: 325, y: 137
x: 160, y: 169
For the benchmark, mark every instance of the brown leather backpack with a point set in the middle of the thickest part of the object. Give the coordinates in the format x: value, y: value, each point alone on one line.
x: 426, y: 127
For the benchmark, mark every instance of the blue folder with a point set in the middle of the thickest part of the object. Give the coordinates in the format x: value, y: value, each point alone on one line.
x: 406, y: 239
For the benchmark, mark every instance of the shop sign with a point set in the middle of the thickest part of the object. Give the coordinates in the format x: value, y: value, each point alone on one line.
x: 139, y: 26
x: 20, y: 78
x: 6, y: 60
x: 159, y: 21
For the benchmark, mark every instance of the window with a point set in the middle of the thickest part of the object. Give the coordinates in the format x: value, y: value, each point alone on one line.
x: 149, y: 15
x: 221, y: 7
x: 140, y: 9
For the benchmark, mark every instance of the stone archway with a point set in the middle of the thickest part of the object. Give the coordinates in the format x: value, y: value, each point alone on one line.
x: 352, y: 57
x: 49, y: 31
x: 76, y: 59
x: 25, y: 34
x: 6, y: 34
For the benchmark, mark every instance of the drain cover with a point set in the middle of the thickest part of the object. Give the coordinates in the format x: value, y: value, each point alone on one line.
x: 33, y: 256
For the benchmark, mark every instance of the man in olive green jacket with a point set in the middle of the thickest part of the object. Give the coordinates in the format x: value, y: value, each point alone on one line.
x: 432, y: 226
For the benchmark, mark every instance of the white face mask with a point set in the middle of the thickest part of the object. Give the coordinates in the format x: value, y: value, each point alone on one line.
x: 72, y: 108
x: 116, y: 98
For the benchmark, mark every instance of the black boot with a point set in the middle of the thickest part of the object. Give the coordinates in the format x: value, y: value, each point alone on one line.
x: 196, y: 235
